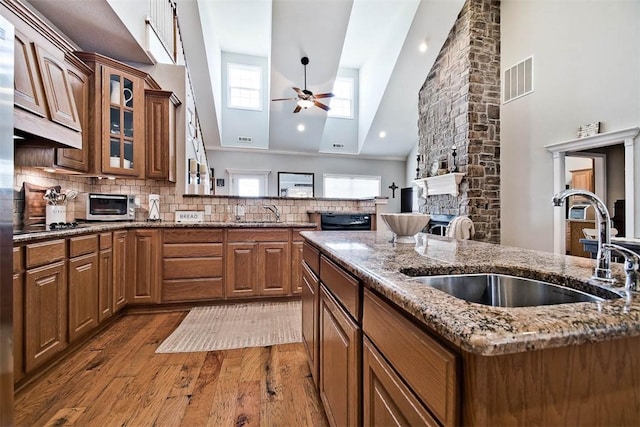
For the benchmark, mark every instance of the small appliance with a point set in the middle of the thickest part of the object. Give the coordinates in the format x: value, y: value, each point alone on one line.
x: 107, y: 207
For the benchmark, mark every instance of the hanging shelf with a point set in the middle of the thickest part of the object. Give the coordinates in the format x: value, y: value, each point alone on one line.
x: 440, y: 184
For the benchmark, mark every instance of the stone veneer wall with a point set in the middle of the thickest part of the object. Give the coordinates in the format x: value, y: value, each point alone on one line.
x: 459, y: 104
x: 223, y: 208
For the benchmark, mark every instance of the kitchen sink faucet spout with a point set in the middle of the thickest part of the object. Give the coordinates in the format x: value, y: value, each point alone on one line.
x: 603, y: 220
x: 631, y: 265
x: 274, y: 209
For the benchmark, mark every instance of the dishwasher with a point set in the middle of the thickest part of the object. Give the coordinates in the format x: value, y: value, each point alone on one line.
x: 345, y: 221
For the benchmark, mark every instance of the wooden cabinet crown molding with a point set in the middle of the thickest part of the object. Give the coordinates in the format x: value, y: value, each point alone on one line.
x: 92, y: 57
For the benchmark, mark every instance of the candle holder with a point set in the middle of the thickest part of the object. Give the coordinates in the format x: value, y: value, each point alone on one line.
x: 454, y: 165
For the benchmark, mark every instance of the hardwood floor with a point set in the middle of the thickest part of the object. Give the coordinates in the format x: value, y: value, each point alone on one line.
x: 116, y: 379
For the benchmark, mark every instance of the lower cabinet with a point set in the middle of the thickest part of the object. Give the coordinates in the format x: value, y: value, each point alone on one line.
x: 83, y: 285
x: 192, y: 266
x: 258, y: 263
x: 119, y: 253
x: 18, y: 314
x: 296, y: 261
x: 144, y: 267
x: 386, y: 400
x: 340, y: 340
x: 310, y: 317
x: 105, y: 277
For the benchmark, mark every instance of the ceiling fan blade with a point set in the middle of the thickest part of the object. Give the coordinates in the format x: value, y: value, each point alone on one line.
x: 298, y: 91
x: 324, y: 95
x: 318, y: 104
x: 298, y: 108
x: 283, y: 99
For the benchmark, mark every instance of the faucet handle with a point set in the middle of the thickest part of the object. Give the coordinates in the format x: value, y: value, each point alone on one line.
x: 631, y: 265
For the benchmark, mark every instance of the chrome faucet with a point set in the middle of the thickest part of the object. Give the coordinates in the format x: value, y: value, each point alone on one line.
x: 274, y: 209
x: 631, y: 265
x: 603, y: 257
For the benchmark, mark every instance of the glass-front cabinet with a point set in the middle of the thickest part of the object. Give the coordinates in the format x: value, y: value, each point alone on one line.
x: 123, y: 98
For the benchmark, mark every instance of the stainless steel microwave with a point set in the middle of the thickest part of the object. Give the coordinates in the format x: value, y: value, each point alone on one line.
x: 107, y: 207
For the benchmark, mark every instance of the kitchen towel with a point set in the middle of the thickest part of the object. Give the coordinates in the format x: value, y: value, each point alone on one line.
x: 461, y: 228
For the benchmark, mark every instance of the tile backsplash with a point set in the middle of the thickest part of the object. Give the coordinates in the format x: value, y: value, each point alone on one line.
x: 223, y: 208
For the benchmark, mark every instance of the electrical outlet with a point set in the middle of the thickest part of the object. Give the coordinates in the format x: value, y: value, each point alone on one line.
x: 240, y: 210
x: 207, y: 209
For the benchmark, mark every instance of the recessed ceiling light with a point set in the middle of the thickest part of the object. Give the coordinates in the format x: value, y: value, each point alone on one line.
x: 382, y: 134
x: 300, y: 127
x: 423, y: 47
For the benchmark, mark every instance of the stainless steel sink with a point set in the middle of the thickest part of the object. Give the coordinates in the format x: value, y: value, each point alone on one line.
x: 500, y: 290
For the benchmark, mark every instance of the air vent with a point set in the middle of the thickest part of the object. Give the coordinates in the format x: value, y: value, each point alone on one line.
x: 245, y: 139
x: 337, y: 145
x: 518, y: 80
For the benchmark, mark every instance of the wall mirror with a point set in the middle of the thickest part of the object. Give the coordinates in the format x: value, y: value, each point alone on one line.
x: 295, y: 184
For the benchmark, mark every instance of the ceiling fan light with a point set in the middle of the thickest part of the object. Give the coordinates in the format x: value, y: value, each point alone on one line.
x: 304, y: 103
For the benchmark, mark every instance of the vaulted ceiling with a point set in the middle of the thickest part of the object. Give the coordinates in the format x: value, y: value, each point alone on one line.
x: 378, y: 38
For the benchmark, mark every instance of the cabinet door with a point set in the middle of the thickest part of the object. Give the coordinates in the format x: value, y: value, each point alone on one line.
x: 83, y: 295
x: 310, y: 315
x: 160, y: 128
x: 28, y: 92
x: 296, y: 267
x: 60, y: 101
x: 340, y: 339
x: 241, y: 268
x: 274, y: 268
x: 18, y: 326
x: 120, y: 254
x: 105, y: 284
x: 45, y: 313
x: 387, y: 401
x: 78, y: 159
x: 123, y: 123
x: 145, y: 270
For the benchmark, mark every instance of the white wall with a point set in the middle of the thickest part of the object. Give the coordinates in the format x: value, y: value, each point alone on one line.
x: 389, y: 170
x: 586, y: 68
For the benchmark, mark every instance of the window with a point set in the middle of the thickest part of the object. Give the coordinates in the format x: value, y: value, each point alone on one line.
x: 244, y: 84
x: 351, y: 186
x: 342, y: 103
x: 249, y: 183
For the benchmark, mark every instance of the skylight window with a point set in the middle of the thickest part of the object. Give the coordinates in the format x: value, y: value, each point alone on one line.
x: 244, y: 86
x: 342, y: 103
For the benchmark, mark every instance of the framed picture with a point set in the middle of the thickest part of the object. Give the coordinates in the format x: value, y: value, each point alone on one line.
x: 296, y: 184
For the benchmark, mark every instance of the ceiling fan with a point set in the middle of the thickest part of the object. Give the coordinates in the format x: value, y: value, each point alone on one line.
x: 305, y: 97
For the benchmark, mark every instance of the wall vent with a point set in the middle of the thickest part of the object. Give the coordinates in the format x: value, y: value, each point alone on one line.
x: 518, y: 80
x: 337, y: 145
x: 245, y: 139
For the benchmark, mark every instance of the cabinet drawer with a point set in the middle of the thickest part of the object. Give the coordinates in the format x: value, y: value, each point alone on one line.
x: 259, y: 235
x: 106, y: 240
x: 344, y: 287
x: 18, y: 261
x: 193, y: 235
x: 83, y: 245
x: 192, y: 289
x: 188, y: 250
x: 311, y: 256
x: 43, y: 253
x: 188, y: 268
x: 427, y: 367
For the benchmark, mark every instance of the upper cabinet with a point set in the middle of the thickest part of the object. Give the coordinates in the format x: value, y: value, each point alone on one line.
x: 45, y: 104
x: 160, y: 127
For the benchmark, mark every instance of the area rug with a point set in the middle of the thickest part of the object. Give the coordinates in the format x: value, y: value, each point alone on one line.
x: 236, y: 326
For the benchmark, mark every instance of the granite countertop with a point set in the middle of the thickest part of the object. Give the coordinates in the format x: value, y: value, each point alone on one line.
x: 95, y: 227
x: 477, y: 328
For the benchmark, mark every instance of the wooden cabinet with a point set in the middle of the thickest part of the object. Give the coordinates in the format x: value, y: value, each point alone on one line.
x: 429, y: 369
x: 46, y: 302
x: 296, y: 262
x: 340, y: 340
x: 78, y: 159
x: 83, y: 285
x: 257, y: 263
x: 117, y: 128
x: 582, y: 179
x: 574, y: 234
x: 386, y: 400
x: 105, y: 277
x: 160, y: 156
x: 144, y: 270
x: 192, y: 267
x: 18, y: 314
x: 310, y: 318
x: 120, y: 255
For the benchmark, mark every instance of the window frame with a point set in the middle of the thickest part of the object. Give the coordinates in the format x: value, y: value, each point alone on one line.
x: 331, y: 113
x: 259, y: 90
x: 236, y: 174
x: 378, y: 178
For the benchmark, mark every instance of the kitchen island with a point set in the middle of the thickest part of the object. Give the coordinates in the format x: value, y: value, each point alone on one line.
x: 565, y: 364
